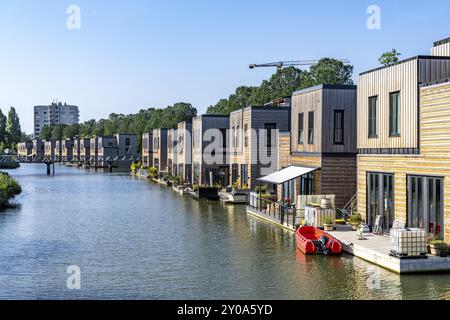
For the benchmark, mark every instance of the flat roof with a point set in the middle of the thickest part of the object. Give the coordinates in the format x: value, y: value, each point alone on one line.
x: 406, y: 60
x: 326, y: 86
x: 440, y: 42
x: 260, y: 108
x: 212, y: 116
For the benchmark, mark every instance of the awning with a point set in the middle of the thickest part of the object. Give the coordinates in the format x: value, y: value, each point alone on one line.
x: 287, y: 174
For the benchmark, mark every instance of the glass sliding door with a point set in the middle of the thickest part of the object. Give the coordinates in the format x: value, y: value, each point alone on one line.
x: 380, y: 199
x: 425, y: 204
x: 307, y: 184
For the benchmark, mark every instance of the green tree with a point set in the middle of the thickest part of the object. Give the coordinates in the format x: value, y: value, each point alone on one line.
x: 58, y: 131
x: 390, y: 57
x: 283, y: 83
x: 71, y: 131
x: 3, y: 136
x: 87, y: 129
x: 13, y: 130
x: 330, y: 71
x: 46, y: 133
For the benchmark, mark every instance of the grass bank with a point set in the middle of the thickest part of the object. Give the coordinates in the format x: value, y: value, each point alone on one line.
x: 9, y: 188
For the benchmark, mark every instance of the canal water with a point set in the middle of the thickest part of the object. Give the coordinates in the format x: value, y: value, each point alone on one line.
x: 133, y: 239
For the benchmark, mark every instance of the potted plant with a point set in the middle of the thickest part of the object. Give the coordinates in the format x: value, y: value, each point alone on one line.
x: 438, y: 248
x: 328, y: 225
x: 355, y: 221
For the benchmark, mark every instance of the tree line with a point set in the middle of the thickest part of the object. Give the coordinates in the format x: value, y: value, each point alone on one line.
x: 139, y: 123
x: 283, y: 83
x: 10, y: 130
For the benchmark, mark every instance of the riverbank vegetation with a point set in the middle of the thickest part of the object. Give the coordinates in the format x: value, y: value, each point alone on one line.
x: 9, y: 188
x: 10, y: 130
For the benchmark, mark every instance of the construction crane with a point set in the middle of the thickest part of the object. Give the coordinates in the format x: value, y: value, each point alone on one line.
x: 279, y: 65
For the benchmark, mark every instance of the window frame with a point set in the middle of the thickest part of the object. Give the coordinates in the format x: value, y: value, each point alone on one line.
x: 392, y: 133
x: 301, y: 128
x: 311, y: 127
x: 372, y: 120
x: 342, y: 127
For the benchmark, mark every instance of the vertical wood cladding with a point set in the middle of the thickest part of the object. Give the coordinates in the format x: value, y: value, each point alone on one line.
x: 434, y: 159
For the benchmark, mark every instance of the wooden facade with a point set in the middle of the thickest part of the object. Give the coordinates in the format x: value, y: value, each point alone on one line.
x: 389, y: 165
x: 404, y: 78
x: 160, y: 149
x: 83, y: 146
x: 323, y: 124
x: 207, y: 162
x: 67, y: 149
x: 38, y: 150
x: 247, y: 135
x: 49, y: 148
x: 441, y: 48
x: 172, y: 153
x: 25, y: 149
x: 184, y: 149
x: 147, y: 149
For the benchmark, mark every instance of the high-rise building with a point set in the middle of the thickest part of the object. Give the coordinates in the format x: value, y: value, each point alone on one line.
x: 54, y: 114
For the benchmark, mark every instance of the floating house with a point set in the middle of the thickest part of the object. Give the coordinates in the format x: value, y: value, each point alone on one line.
x: 107, y: 151
x: 160, y: 149
x: 172, y: 152
x: 403, y: 143
x: 25, y: 149
x: 67, y: 149
x: 38, y: 150
x: 49, y: 149
x: 147, y: 149
x: 83, y: 148
x: 93, y: 151
x: 184, y: 150
x: 209, y: 150
x: 253, y: 142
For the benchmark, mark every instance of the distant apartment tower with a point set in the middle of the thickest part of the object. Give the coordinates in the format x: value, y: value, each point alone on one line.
x: 54, y: 114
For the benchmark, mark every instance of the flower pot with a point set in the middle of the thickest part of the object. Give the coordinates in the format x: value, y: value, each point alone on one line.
x: 438, y: 251
x: 355, y: 227
x: 328, y: 227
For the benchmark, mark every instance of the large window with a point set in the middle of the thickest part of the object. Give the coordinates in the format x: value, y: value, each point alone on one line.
x: 301, y: 128
x: 380, y: 199
x: 244, y: 175
x: 394, y: 114
x: 425, y: 204
x: 307, y: 184
x: 311, y: 127
x: 373, y: 101
x: 234, y: 173
x: 269, y: 127
x: 339, y: 127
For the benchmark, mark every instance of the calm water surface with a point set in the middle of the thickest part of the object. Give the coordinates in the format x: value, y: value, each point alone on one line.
x: 135, y: 240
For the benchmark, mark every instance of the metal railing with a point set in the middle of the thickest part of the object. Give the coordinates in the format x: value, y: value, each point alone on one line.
x: 285, y: 214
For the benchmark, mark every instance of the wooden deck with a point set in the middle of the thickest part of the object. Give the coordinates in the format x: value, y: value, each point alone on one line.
x: 374, y: 249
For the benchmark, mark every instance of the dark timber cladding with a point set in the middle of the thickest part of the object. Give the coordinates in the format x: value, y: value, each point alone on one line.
x: 245, y: 141
x: 324, y: 125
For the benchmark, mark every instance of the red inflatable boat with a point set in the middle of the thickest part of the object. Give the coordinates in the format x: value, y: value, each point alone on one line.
x: 311, y: 240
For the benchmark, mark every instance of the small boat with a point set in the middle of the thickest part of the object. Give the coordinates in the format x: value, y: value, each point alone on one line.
x: 311, y: 240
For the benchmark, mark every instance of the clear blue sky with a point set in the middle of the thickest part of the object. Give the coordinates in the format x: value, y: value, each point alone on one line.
x: 137, y: 54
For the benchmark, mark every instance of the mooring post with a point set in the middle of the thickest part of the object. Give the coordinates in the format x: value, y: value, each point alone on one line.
x: 53, y: 168
x: 48, y: 168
